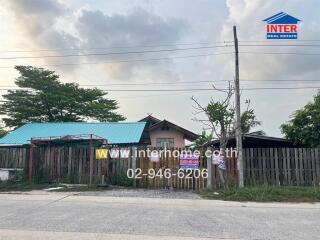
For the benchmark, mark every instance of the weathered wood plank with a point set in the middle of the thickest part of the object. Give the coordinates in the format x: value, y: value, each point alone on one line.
x: 317, y: 159
x: 297, y: 165
x: 313, y: 167
x: 264, y: 169
x: 290, y: 163
x: 276, y: 166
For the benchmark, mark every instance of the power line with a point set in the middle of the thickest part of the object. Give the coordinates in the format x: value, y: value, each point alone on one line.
x: 148, y: 46
x: 170, y: 58
x: 200, y: 89
x: 265, y: 81
x: 113, y: 47
x: 132, y: 60
x: 154, y: 95
x: 204, y: 89
x: 158, y: 59
x: 277, y: 41
x: 115, y: 53
x: 207, y: 89
x: 279, y: 45
x: 281, y: 53
x: 279, y: 81
x: 165, y: 45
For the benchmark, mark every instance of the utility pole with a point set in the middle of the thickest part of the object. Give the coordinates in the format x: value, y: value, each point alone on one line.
x: 238, y: 112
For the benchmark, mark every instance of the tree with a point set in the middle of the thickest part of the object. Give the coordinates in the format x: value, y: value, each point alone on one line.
x: 249, y: 120
x: 43, y: 98
x: 220, y: 118
x: 304, y: 126
x: 203, y: 139
x: 2, y: 132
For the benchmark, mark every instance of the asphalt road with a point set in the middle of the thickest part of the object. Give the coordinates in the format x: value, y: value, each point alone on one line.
x: 64, y: 216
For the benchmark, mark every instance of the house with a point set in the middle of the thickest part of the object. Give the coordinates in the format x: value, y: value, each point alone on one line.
x: 52, y: 152
x: 256, y: 141
x: 163, y: 133
x: 115, y: 133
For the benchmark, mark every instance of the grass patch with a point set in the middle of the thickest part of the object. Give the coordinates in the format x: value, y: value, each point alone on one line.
x: 11, y: 186
x: 84, y: 188
x: 266, y: 194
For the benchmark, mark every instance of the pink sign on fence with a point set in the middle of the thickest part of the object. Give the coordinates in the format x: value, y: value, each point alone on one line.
x: 189, y: 161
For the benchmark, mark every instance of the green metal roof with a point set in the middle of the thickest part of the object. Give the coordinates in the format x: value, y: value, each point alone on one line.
x: 114, y: 132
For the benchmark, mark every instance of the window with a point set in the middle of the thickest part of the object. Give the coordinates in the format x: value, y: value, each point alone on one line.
x: 165, y: 142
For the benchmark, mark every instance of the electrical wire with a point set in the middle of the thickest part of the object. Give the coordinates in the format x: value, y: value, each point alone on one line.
x: 113, y: 47
x: 208, y: 89
x: 199, y: 89
x: 152, y: 45
x: 257, y: 81
x: 280, y: 53
x: 279, y: 45
x: 132, y: 60
x: 115, y: 53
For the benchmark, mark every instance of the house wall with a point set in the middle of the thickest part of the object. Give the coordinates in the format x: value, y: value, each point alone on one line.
x: 179, y: 141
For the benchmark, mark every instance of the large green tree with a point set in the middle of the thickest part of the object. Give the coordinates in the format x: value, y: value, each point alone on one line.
x: 304, y: 125
x: 43, y: 98
x: 2, y: 132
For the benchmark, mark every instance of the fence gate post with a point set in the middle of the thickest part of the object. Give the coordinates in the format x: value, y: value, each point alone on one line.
x: 134, y: 164
x: 209, y: 168
x: 30, y: 161
x: 91, y: 161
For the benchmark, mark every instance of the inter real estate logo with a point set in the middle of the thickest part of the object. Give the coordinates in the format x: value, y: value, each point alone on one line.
x: 282, y: 26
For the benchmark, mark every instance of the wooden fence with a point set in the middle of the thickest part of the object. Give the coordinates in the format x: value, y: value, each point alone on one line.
x: 72, y: 165
x: 13, y: 157
x: 262, y: 166
x: 282, y: 166
x: 180, y: 180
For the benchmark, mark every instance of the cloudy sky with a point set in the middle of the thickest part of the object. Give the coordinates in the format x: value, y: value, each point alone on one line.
x: 69, y: 27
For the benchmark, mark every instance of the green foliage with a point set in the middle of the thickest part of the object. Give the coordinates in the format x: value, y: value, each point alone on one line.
x: 266, y: 194
x: 221, y: 118
x: 43, y: 98
x: 68, y: 179
x: 202, y: 140
x: 304, y: 126
x: 121, y: 179
x: 13, y: 186
x: 220, y: 113
x: 42, y: 176
x: 2, y: 132
x: 248, y: 121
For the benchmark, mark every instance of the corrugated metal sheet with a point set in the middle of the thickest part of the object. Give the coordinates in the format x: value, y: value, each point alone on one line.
x: 114, y: 132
